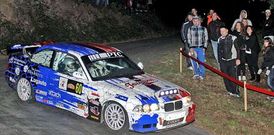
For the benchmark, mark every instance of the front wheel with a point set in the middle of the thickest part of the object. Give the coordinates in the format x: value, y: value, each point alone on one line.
x: 115, y: 118
x: 24, y: 89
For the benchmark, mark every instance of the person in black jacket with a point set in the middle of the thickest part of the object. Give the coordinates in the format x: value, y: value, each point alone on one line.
x: 184, y: 30
x: 228, y: 57
x: 252, y: 52
x: 214, y: 33
x: 268, y: 28
x: 239, y: 32
x: 268, y: 64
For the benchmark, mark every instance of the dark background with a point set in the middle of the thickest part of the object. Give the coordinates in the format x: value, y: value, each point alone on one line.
x: 173, y: 12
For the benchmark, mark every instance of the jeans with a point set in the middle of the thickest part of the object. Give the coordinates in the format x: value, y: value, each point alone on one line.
x: 270, y: 79
x: 215, y: 49
x: 197, y: 68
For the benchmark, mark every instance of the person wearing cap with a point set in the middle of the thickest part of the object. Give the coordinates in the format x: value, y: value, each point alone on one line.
x: 268, y: 64
x: 228, y: 57
x: 268, y: 28
x: 197, y: 38
x: 184, y: 30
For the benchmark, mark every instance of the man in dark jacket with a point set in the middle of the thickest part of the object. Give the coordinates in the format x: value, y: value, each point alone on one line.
x: 184, y: 31
x: 214, y: 33
x: 268, y: 28
x: 228, y: 57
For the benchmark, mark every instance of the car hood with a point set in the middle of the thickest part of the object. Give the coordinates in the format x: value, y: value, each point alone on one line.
x: 146, y: 88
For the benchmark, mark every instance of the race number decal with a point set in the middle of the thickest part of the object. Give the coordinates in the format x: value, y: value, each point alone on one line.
x: 75, y: 87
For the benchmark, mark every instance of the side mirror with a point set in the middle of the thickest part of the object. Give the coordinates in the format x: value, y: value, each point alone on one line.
x: 140, y: 65
x: 78, y: 75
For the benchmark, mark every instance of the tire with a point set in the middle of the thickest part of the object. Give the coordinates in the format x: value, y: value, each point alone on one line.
x: 116, y: 119
x: 24, y: 90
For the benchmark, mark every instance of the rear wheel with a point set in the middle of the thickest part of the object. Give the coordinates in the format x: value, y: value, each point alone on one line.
x: 115, y: 118
x: 24, y: 89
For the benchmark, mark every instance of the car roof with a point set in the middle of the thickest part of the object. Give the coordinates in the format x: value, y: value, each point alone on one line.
x: 82, y: 48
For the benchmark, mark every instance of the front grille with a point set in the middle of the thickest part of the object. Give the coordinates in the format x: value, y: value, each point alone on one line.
x: 173, y: 106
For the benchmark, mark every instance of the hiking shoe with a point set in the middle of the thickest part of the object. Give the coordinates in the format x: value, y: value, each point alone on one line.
x: 229, y: 93
x: 195, y: 77
x: 201, y: 78
x: 236, y: 95
x: 190, y: 68
x: 270, y: 98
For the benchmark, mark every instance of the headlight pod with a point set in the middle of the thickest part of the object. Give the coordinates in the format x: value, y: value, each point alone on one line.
x: 188, y: 99
x: 168, y: 92
x: 138, y: 108
x: 154, y: 107
x: 146, y: 108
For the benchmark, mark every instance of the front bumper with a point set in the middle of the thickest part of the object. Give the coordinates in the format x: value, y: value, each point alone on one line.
x: 164, y: 120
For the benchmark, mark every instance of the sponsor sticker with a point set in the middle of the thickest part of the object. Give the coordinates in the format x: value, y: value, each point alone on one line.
x: 38, y: 82
x: 54, y: 94
x: 44, y: 93
x: 121, y: 97
x: 63, y: 83
x: 12, y: 80
x: 26, y: 68
x: 105, y: 55
x: 17, y: 71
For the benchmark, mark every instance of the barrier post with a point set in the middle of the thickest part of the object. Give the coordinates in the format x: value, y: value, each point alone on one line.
x: 245, y: 96
x: 181, y: 60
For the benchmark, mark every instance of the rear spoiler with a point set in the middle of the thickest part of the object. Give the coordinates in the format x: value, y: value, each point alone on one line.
x: 24, y: 47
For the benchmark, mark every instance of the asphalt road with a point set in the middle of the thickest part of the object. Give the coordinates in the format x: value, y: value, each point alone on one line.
x: 20, y: 118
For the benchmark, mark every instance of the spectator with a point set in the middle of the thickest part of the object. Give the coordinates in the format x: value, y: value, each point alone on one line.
x: 252, y: 53
x: 268, y: 28
x: 197, y: 38
x: 184, y: 31
x: 194, y: 12
x: 243, y: 14
x: 240, y: 34
x: 245, y: 23
x: 228, y: 55
x: 214, y: 33
x: 209, y: 16
x: 268, y: 64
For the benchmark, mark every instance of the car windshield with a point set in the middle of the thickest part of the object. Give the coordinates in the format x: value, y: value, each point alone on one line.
x: 111, y: 67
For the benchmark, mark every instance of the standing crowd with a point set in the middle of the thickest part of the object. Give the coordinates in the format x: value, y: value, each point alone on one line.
x: 234, y: 49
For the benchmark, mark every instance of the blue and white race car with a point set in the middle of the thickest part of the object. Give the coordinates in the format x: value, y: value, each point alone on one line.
x: 97, y: 82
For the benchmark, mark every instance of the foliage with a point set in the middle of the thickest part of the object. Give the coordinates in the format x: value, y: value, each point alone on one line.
x: 71, y: 20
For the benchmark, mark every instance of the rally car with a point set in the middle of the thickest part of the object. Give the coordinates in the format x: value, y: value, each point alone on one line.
x: 97, y: 82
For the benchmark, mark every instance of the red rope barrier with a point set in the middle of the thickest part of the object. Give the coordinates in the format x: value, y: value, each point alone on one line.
x: 240, y: 83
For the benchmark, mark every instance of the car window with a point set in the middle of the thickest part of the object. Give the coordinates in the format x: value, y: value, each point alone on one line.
x: 66, y: 64
x: 42, y: 57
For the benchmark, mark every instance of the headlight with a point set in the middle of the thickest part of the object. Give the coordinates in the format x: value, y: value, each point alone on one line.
x: 188, y: 99
x: 138, y: 108
x: 146, y: 108
x: 154, y: 107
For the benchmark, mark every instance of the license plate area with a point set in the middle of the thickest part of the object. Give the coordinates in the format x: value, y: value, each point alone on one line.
x: 171, y: 122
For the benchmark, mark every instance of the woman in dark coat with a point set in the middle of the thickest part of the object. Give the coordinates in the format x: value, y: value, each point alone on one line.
x: 252, y: 52
x: 239, y: 32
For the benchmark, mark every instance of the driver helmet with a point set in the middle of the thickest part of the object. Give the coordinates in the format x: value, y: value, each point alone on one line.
x: 70, y: 65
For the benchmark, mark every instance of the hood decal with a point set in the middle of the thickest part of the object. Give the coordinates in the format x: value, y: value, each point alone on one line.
x: 147, y: 100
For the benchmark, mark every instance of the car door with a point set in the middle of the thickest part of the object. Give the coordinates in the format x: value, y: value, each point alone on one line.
x: 37, y: 72
x: 66, y: 84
